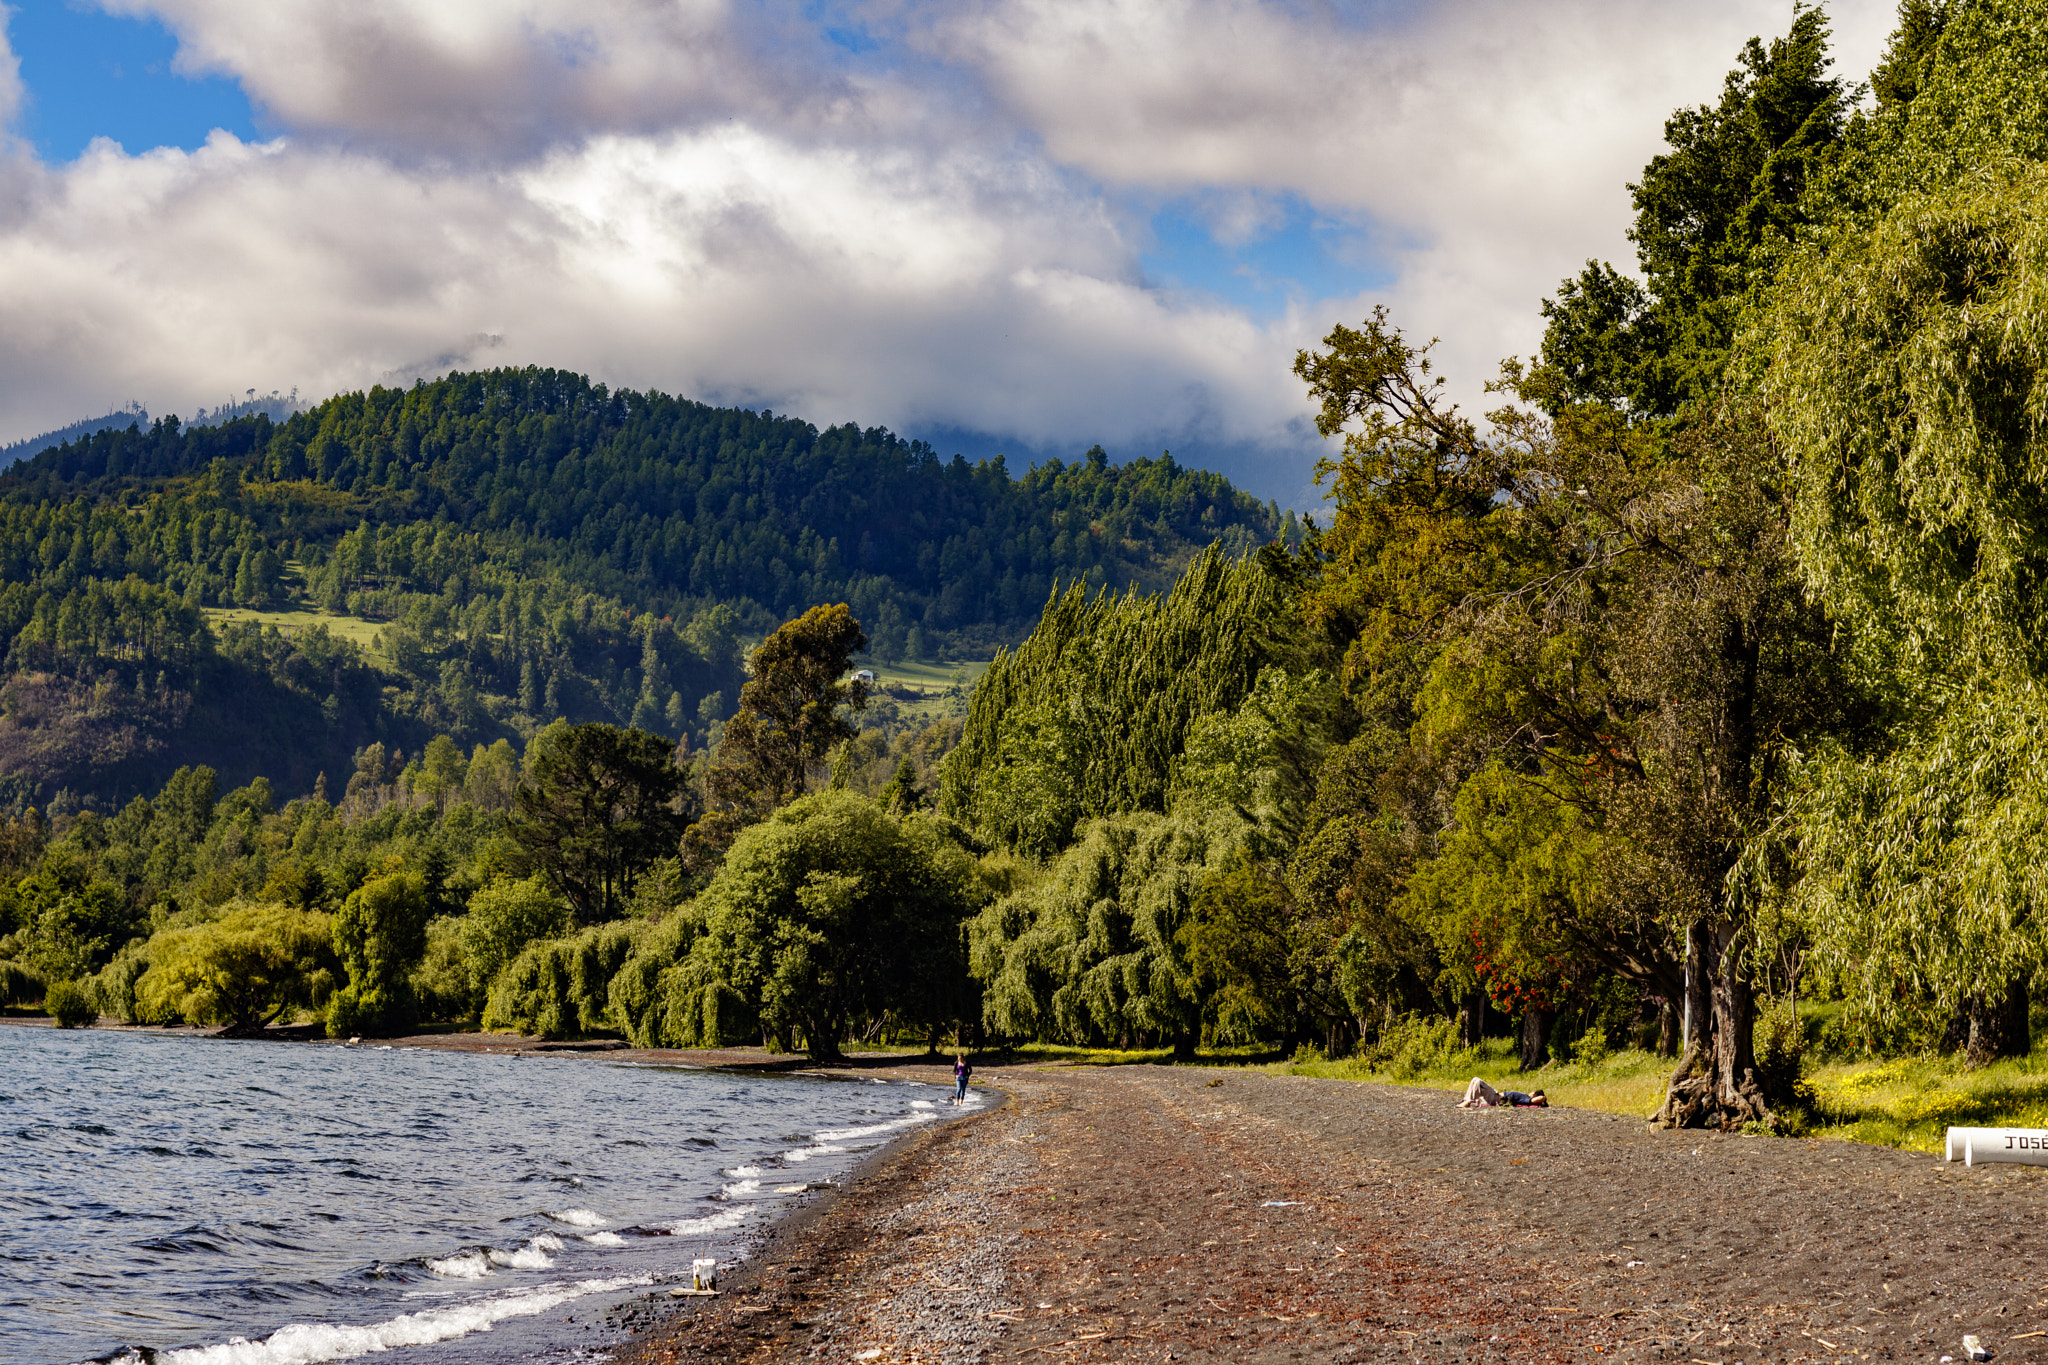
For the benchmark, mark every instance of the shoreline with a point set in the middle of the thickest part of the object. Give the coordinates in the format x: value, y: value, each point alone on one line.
x: 1204, y: 1214
x: 620, y: 1319
x: 1219, y: 1214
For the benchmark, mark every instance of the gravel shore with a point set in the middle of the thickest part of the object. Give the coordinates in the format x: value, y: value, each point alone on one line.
x: 1188, y: 1214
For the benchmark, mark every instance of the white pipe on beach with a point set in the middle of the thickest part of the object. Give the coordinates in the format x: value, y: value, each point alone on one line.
x: 2012, y: 1146
x: 1958, y: 1136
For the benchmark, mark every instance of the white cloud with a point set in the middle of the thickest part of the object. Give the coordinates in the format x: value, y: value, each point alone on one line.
x: 487, y: 78
x: 708, y: 199
x: 1490, y: 142
x: 10, y: 75
x: 727, y: 264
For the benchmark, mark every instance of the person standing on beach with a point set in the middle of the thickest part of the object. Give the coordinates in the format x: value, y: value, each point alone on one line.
x: 961, y: 1071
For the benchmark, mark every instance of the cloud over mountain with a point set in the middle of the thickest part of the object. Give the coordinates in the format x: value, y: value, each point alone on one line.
x: 927, y: 216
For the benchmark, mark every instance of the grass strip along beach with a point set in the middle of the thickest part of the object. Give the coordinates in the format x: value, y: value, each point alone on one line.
x: 1149, y: 1212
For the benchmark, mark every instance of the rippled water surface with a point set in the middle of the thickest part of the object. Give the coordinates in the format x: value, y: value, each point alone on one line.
x: 223, y: 1202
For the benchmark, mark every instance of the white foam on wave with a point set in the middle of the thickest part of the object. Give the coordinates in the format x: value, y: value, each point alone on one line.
x: 806, y: 1153
x: 743, y: 1172
x: 479, y: 1262
x: 874, y: 1129
x: 717, y: 1222
x: 463, y: 1265
x: 578, y: 1218
x: 313, y: 1343
x: 605, y: 1239
x: 922, y: 1104
x: 740, y: 1189
x: 532, y: 1256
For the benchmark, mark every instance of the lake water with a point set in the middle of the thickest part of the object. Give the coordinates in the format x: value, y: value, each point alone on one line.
x: 250, y: 1203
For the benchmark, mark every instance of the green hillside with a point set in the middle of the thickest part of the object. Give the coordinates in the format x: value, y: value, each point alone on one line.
x: 482, y: 554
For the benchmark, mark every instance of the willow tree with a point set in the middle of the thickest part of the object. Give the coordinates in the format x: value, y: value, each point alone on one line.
x: 1098, y: 951
x: 832, y: 912
x: 1091, y: 715
x: 1904, y: 358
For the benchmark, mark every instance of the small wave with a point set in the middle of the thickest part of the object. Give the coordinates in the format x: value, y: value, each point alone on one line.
x: 744, y: 1172
x: 314, y: 1343
x: 465, y: 1265
x: 922, y: 1104
x: 874, y: 1129
x: 721, y: 1221
x: 478, y: 1262
x: 739, y: 1189
x: 806, y: 1153
x: 578, y: 1218
x: 605, y: 1239
x: 532, y: 1256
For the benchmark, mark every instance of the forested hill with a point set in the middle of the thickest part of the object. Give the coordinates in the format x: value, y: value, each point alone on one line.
x: 529, y: 545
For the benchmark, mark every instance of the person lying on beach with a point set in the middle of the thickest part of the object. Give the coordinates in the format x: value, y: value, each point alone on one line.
x: 1480, y: 1095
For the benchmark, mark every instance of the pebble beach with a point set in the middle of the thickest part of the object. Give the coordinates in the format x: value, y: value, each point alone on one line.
x: 1191, y: 1214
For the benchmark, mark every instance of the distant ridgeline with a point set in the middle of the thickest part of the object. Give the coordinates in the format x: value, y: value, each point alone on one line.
x: 133, y: 415
x: 530, y: 545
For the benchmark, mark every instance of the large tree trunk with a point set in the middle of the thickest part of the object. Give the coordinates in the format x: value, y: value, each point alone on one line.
x: 1536, y: 1036
x: 1667, y: 1028
x: 1472, y: 1019
x: 1715, y: 1085
x: 1998, y: 1025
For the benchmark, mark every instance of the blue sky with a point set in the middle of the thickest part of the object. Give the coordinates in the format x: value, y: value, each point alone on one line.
x: 90, y: 74
x: 1293, y: 254
x: 1005, y: 225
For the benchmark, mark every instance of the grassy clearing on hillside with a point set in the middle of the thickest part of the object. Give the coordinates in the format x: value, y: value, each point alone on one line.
x: 942, y: 688
x: 939, y: 675
x: 351, y: 628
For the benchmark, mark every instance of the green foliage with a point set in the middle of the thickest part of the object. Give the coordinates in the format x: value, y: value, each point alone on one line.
x: 70, y: 1004
x: 1902, y: 70
x: 1096, y: 951
x: 1088, y: 716
x: 559, y: 988
x: 1411, y: 1044
x: 664, y: 995
x: 441, y: 983
x: 1780, y: 1048
x: 1514, y: 871
x: 115, y: 986
x: 243, y: 969
x: 1901, y: 354
x: 380, y: 934
x: 1920, y: 873
x: 20, y: 984
x: 832, y: 909
x: 1240, y: 953
x: 595, y: 810
x: 1708, y: 211
x: 534, y: 547
x: 68, y: 927
x: 1590, y: 1050
x: 790, y: 715
x: 504, y: 917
